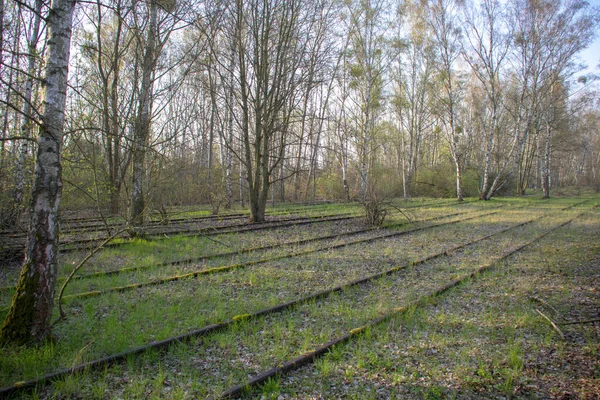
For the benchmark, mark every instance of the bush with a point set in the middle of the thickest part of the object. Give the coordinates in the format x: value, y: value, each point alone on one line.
x: 471, y: 181
x: 437, y: 181
x: 331, y: 186
x: 375, y: 212
x: 440, y: 181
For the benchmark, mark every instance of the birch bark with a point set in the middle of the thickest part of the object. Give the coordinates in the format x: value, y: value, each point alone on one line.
x: 28, y: 319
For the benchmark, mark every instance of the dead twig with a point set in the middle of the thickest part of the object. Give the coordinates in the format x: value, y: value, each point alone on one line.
x: 96, y: 249
x: 402, y: 212
x: 545, y: 304
x: 585, y: 321
x: 216, y: 241
x: 556, y: 328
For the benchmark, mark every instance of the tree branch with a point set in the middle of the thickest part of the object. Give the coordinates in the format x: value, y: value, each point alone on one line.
x: 77, y: 268
x: 11, y: 138
x: 556, y: 328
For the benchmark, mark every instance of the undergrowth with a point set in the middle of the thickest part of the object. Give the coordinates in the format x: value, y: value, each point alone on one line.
x: 469, y: 342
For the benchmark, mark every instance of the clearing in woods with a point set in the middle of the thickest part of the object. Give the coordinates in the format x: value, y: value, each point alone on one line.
x: 496, y: 299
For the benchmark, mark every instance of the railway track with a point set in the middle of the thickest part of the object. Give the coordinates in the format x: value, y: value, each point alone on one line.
x: 310, y: 356
x: 244, y: 228
x: 13, y: 248
x: 12, y: 245
x: 277, y: 210
x: 380, y: 234
x: 292, y: 254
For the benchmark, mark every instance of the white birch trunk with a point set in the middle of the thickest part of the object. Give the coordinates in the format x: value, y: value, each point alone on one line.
x: 28, y: 319
x: 25, y: 123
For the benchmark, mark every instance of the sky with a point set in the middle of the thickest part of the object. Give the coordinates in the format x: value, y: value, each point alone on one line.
x: 591, y: 56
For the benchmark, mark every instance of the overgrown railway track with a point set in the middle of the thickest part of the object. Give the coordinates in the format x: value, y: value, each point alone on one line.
x: 380, y: 233
x: 309, y: 356
x: 12, y: 245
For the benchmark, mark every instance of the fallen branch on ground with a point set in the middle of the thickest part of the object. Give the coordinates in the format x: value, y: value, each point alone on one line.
x: 585, y: 321
x: 556, y: 328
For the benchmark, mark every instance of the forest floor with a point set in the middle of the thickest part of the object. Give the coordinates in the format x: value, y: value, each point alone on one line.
x: 480, y: 300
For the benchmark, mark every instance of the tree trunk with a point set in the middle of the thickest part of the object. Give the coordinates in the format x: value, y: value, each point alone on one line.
x: 229, y: 146
x: 28, y: 319
x: 15, y: 66
x: 27, y: 98
x: 459, y: 195
x: 298, y: 168
x: 345, y: 170
x: 364, y: 152
x: 1, y: 35
x: 486, y: 169
x: 241, y: 185
x: 546, y: 164
x: 4, y: 127
x: 402, y: 167
x: 281, y: 185
x: 257, y: 208
x: 259, y: 181
x: 142, y: 126
x: 211, y: 126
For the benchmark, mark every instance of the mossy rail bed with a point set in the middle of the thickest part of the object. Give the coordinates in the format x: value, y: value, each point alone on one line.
x: 291, y: 254
x: 260, y: 378
x: 290, y: 217
x: 226, y: 268
x: 245, y: 228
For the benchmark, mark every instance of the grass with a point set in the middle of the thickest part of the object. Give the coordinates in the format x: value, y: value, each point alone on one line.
x: 209, y: 365
x: 145, y: 249
x: 483, y: 340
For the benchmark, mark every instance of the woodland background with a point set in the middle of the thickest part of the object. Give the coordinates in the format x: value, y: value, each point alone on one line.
x: 244, y: 102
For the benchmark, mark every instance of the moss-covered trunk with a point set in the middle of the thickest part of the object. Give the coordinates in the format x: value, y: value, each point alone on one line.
x: 28, y: 319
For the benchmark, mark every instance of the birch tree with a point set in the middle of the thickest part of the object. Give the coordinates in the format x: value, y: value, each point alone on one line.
x: 446, y: 38
x: 368, y: 62
x: 28, y: 319
x: 27, y: 112
x: 549, y: 35
x: 487, y: 45
x: 20, y: 76
x: 413, y: 90
x: 342, y: 126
